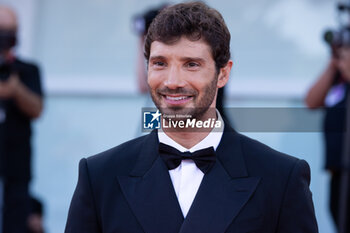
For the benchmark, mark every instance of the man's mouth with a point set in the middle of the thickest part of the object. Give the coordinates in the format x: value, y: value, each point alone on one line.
x: 177, y: 99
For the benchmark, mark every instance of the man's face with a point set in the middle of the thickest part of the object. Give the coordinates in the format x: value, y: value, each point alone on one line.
x: 182, y: 77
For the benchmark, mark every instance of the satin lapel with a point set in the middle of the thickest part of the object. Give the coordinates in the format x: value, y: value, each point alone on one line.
x: 218, y: 201
x: 150, y: 193
x: 223, y: 191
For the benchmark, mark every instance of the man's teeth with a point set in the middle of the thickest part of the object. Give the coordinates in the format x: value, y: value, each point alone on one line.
x: 177, y: 97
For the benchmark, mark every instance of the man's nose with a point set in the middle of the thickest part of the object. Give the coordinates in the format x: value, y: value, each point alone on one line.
x: 174, y: 78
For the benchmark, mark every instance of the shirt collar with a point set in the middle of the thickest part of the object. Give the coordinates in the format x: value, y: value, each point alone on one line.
x: 212, y: 139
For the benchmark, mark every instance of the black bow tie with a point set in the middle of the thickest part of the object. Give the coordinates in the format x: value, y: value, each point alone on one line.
x: 204, y: 159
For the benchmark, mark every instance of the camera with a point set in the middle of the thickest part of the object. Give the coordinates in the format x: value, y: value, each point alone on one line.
x: 341, y: 37
x: 7, y: 39
x: 338, y: 38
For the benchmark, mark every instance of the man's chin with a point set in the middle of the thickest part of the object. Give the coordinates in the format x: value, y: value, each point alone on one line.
x: 174, y: 110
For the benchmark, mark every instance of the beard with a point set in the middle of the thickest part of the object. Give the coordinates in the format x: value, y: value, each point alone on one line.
x: 201, y: 104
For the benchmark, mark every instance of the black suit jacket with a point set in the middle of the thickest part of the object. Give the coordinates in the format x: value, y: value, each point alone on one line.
x: 251, y: 188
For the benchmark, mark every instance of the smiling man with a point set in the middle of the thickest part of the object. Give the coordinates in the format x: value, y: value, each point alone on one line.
x: 187, y: 179
x: 183, y: 80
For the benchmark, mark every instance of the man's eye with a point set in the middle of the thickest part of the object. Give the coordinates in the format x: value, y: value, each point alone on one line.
x: 192, y: 64
x: 158, y: 63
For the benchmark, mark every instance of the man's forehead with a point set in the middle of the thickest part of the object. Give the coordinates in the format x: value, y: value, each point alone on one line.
x: 182, y: 47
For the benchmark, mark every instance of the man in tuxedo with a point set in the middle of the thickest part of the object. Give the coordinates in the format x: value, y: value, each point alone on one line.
x: 191, y: 180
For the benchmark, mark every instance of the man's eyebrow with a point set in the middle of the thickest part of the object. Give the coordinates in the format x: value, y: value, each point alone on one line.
x: 198, y: 59
x: 157, y: 58
x: 160, y: 57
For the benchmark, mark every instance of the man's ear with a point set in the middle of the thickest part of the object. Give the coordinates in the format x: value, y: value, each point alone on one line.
x: 224, y: 74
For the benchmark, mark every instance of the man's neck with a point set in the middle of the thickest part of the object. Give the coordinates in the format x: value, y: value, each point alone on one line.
x: 187, y: 139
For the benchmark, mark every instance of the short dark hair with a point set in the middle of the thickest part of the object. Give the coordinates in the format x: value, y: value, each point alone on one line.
x: 195, y: 20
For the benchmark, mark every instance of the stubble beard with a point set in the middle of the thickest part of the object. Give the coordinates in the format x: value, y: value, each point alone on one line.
x: 200, y: 108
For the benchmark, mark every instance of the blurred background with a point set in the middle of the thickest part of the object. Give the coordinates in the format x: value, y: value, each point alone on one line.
x: 87, y: 51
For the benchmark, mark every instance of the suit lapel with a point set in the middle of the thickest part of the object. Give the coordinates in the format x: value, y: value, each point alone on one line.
x: 223, y: 191
x: 150, y: 193
x: 222, y: 194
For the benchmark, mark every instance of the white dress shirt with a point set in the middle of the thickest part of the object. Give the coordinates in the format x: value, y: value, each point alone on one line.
x: 187, y: 177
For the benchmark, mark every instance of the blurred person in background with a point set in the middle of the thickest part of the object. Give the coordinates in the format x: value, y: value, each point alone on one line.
x: 20, y: 103
x: 330, y: 91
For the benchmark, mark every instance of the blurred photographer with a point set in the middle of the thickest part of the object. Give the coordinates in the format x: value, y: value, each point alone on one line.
x: 331, y: 90
x: 20, y: 102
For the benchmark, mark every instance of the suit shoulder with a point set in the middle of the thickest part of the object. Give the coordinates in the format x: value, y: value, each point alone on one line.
x: 120, y: 158
x: 259, y: 156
